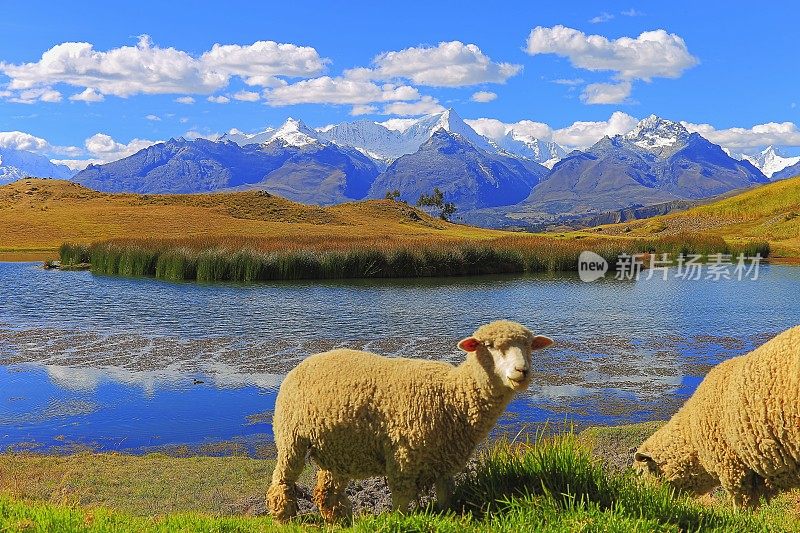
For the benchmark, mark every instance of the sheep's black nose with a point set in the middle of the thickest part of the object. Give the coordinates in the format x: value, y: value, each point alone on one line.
x: 523, y: 371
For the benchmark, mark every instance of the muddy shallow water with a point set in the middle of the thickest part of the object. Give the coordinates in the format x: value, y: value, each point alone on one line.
x: 138, y: 365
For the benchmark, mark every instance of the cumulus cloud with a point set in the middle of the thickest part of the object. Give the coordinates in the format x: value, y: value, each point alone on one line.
x: 484, y: 96
x: 758, y: 136
x: 261, y: 62
x: 154, y: 118
x: 88, y: 95
x: 450, y: 64
x: 424, y: 106
x: 188, y: 100
x: 340, y: 90
x: 652, y: 54
x: 584, y: 134
x: 218, y: 99
x: 606, y: 93
x: 246, y: 96
x: 578, y: 135
x: 17, y: 140
x: 496, y: 129
x: 149, y: 69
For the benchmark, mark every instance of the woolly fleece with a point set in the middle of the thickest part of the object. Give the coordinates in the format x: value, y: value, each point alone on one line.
x: 416, y: 422
x: 740, y: 429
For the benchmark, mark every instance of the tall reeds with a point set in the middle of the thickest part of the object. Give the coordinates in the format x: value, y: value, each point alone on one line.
x: 251, y: 259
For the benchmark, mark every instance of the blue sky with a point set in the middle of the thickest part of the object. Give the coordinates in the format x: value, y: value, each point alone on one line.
x: 729, y: 69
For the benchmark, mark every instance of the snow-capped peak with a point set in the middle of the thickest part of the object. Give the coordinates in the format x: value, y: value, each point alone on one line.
x: 294, y: 133
x: 658, y: 135
x: 769, y: 161
x: 241, y: 138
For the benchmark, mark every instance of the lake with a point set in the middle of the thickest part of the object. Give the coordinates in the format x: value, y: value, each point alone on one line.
x: 137, y: 365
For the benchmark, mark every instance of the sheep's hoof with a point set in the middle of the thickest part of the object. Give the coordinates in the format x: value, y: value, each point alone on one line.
x: 282, y: 502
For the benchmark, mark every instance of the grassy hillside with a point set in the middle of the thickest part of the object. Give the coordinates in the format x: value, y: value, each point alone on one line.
x: 551, y: 485
x: 770, y: 212
x: 38, y: 215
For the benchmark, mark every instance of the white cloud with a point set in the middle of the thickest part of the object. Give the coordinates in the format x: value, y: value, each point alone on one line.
x: 363, y: 109
x: 77, y: 164
x: 606, y: 93
x: 154, y: 118
x: 88, y: 95
x: 602, y: 17
x: 484, y: 96
x: 246, y: 96
x: 218, y: 99
x: 17, y: 140
x: 577, y: 135
x: 758, y: 136
x: 496, y: 129
x: 584, y: 134
x: 98, y: 149
x: 149, y: 69
x: 424, y: 106
x: 327, y: 90
x: 651, y: 54
x: 31, y: 96
x: 450, y: 64
x: 260, y: 62
x: 188, y: 100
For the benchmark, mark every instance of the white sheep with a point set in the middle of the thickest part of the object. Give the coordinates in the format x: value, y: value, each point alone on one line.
x: 416, y: 422
x: 740, y: 429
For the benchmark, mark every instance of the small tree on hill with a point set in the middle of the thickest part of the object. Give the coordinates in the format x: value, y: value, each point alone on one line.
x: 393, y: 195
x: 437, y: 203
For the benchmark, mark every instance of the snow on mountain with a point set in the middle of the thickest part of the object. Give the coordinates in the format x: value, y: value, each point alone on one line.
x: 659, y: 136
x: 294, y: 133
x: 531, y: 148
x: 769, y: 161
x: 241, y: 138
x: 394, y: 138
x: 17, y: 164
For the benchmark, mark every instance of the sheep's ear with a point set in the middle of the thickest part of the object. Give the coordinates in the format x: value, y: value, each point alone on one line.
x: 470, y: 344
x: 540, y: 342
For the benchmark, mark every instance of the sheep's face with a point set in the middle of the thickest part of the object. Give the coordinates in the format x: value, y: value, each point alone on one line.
x: 680, y: 469
x: 510, y: 363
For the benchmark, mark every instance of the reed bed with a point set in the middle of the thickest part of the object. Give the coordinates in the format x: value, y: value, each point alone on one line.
x: 243, y: 259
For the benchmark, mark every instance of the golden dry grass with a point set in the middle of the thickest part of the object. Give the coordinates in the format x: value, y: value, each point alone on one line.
x: 38, y: 215
x: 770, y: 212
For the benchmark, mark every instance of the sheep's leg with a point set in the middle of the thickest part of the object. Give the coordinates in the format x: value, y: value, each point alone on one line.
x: 444, y: 492
x: 330, y: 497
x: 742, y: 483
x: 282, y: 493
x: 403, y: 491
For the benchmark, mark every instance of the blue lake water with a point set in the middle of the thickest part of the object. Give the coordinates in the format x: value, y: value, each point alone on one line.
x: 140, y: 365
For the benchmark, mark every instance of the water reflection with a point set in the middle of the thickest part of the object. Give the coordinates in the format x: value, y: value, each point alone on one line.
x: 115, y: 364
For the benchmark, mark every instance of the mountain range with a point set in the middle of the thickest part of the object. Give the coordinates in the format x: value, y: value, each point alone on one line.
x: 491, y: 181
x: 18, y: 164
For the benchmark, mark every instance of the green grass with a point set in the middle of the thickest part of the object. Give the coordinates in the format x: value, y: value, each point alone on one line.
x: 246, y: 260
x: 554, y: 484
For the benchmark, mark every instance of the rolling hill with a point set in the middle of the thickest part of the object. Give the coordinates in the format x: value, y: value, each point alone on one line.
x: 770, y: 212
x: 38, y: 215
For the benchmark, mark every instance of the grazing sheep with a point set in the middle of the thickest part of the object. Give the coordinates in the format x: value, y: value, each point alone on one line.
x: 740, y: 429
x: 416, y: 422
